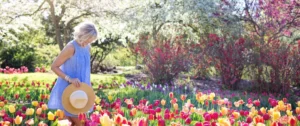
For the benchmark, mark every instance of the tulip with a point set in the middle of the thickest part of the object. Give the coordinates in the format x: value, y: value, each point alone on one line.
x: 292, y: 121
x: 98, y: 108
x: 263, y: 110
x: 183, y: 97
x: 2, y: 104
x: 50, y: 116
x: 142, y: 122
x: 35, y: 103
x: 133, y: 112
x: 82, y: 117
x: 97, y: 100
x: 198, y: 124
x: 298, y: 110
x: 163, y: 102
x: 224, y: 111
x: 39, y: 111
x: 188, y: 120
x: 236, y: 115
x: 110, y: 98
x: 171, y: 95
x: 29, y: 122
x: 64, y: 122
x: 44, y: 107
x: 276, y: 115
x: 29, y: 111
x: 260, y: 124
x: 105, y: 120
x: 175, y: 106
x: 289, y: 112
x: 161, y: 122
x: 60, y: 114
x: 118, y: 119
x: 18, y: 120
x: 12, y: 109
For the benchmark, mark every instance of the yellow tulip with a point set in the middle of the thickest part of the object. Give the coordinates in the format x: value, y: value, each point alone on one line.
x: 212, y: 96
x: 35, y: 103
x: 224, y: 111
x: 44, y: 107
x: 2, y: 104
x: 106, y: 121
x: 193, y: 109
x: 12, y: 109
x: 224, y: 122
x: 39, y: 111
x: 163, y: 102
x: 97, y: 100
x: 280, y: 102
x: 98, y: 108
x: 50, y: 116
x: 263, y: 110
x: 110, y: 97
x: 29, y: 111
x: 18, y: 120
x: 289, y: 112
x: 276, y: 115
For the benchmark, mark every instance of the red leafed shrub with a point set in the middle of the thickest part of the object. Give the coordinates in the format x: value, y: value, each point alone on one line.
x: 227, y: 53
x: 164, y: 58
x: 279, y: 67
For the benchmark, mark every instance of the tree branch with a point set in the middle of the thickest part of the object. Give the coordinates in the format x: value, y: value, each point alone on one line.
x: 37, y: 10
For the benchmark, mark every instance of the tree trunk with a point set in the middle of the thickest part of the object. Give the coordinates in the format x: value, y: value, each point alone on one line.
x: 55, y: 22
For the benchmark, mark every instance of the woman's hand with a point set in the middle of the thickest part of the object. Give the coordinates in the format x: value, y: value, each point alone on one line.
x: 75, y: 81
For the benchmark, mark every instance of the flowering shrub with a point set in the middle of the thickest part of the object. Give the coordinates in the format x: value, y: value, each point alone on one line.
x: 9, y: 70
x: 228, y: 57
x: 165, y: 59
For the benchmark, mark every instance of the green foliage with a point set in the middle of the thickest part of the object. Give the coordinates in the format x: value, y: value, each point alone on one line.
x: 45, y: 54
x: 120, y: 57
x: 18, y: 55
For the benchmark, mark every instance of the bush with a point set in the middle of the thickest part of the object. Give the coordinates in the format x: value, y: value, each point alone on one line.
x: 45, y: 55
x: 19, y: 55
x: 228, y: 57
x: 164, y: 58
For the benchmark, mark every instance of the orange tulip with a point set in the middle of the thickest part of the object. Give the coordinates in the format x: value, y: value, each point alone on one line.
x: 263, y: 110
x: 39, y: 111
x: 44, y: 107
x: 60, y: 114
x: 292, y: 121
x: 236, y: 115
x: 163, y: 102
x: 183, y: 97
x: 118, y: 119
x: 29, y: 122
x: 298, y: 110
x: 133, y: 112
x: 175, y: 106
x: 289, y: 107
x: 224, y: 111
x: 2, y: 104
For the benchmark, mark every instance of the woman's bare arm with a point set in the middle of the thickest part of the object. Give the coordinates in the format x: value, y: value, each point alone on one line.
x: 65, y: 54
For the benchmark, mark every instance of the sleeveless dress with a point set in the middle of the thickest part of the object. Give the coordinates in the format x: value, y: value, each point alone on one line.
x: 78, y: 66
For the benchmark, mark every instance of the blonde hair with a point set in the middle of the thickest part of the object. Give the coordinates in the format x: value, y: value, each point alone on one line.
x: 85, y: 31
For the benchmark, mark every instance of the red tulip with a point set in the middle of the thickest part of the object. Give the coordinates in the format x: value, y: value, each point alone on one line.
x: 213, y: 124
x: 207, y: 117
x: 161, y: 122
x: 249, y: 120
x: 188, y: 120
x: 198, y: 124
x: 266, y: 116
x: 171, y: 95
x: 82, y: 117
x: 158, y: 110
x: 151, y: 117
x: 24, y: 108
x: 167, y: 116
x: 16, y: 96
x: 214, y: 115
x: 256, y: 103
x: 292, y: 121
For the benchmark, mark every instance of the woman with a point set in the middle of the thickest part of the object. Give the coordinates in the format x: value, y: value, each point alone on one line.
x: 72, y: 66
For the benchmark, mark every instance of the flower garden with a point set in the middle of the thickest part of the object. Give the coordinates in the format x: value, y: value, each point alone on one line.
x: 130, y: 103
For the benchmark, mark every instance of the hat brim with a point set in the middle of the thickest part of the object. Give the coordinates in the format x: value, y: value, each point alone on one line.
x: 66, y: 96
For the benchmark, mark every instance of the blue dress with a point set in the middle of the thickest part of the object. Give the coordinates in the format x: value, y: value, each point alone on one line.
x: 78, y: 66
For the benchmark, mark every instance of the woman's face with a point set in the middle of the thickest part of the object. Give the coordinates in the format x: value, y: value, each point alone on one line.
x: 85, y: 43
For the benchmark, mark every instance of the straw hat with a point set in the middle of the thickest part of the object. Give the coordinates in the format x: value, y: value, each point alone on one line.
x: 78, y: 100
